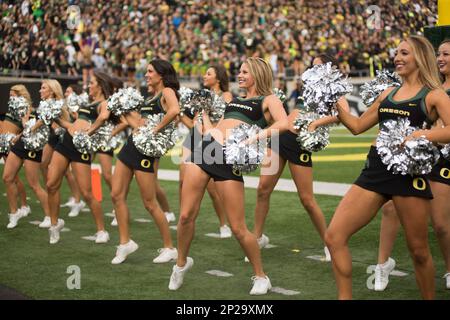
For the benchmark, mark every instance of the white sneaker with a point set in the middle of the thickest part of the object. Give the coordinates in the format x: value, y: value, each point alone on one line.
x: 69, y: 202
x: 14, y: 219
x: 447, y: 280
x: 382, y: 272
x: 54, y: 231
x: 261, y: 285
x: 327, y: 254
x: 101, y: 237
x: 26, y: 210
x: 177, y: 276
x: 76, y: 208
x: 170, y: 216
x: 225, y: 232
x: 263, y: 241
x: 114, y: 222
x: 166, y: 255
x: 46, y: 223
x: 123, y: 251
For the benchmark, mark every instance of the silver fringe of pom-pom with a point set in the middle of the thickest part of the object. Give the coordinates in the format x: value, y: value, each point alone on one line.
x: 150, y: 144
x: 6, y: 142
x: 414, y: 157
x: 35, y: 141
x: 115, y: 141
x: 75, y: 102
x: 243, y: 156
x: 445, y: 151
x: 124, y: 101
x: 50, y: 110
x: 314, y: 141
x: 323, y: 86
x: 82, y: 142
x: 280, y: 94
x: 60, y: 133
x: 372, y: 89
x: 186, y: 95
x: 18, y: 107
x: 100, y: 138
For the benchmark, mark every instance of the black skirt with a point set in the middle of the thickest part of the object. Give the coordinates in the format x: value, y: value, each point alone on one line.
x: 441, y: 172
x: 68, y: 150
x: 377, y: 178
x: 290, y: 150
x: 211, y: 159
x: 19, y: 150
x: 107, y: 151
x: 133, y: 159
x: 53, y: 139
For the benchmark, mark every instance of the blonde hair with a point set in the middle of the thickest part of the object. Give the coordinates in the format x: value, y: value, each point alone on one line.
x: 22, y: 91
x: 262, y: 74
x: 425, y: 57
x: 58, y: 94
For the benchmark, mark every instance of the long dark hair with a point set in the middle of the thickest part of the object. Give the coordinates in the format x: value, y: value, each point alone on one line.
x: 116, y: 83
x: 222, y: 76
x: 104, y: 81
x: 77, y: 89
x: 328, y: 58
x: 167, y: 73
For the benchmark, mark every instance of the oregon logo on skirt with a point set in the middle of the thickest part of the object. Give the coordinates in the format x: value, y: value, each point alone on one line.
x: 145, y: 163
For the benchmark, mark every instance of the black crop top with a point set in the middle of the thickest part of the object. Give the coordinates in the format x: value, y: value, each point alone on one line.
x: 248, y: 110
x: 89, y: 112
x: 414, y: 109
x: 152, y: 106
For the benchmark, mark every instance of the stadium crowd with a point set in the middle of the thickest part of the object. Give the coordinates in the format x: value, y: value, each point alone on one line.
x: 120, y: 36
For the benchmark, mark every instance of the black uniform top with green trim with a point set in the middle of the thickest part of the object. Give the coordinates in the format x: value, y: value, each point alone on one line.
x: 448, y: 92
x: 10, y: 118
x: 414, y: 109
x: 89, y: 112
x: 152, y: 106
x: 248, y: 110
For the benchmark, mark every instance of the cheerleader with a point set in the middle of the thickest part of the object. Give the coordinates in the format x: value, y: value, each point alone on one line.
x: 440, y: 206
x: 216, y: 80
x: 75, y: 203
x: 163, y: 83
x: 420, y: 98
x: 300, y: 165
x: 260, y: 107
x: 66, y: 154
x: 14, y: 126
x: 50, y: 89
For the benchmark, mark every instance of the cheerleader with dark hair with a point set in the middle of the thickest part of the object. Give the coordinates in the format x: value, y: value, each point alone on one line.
x: 163, y: 83
x: 260, y: 107
x: 216, y: 80
x: 66, y: 153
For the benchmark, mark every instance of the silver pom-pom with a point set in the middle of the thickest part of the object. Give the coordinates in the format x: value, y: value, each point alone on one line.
x: 280, y: 94
x: 116, y: 140
x: 82, y: 142
x: 75, y: 102
x: 6, y: 141
x: 311, y: 141
x: 50, y: 110
x: 100, y: 138
x: 150, y: 144
x: 60, y: 133
x: 245, y: 157
x: 124, y: 101
x: 372, y: 89
x: 323, y: 86
x: 18, y: 107
x: 445, y: 151
x: 414, y: 157
x: 35, y: 141
x: 186, y: 95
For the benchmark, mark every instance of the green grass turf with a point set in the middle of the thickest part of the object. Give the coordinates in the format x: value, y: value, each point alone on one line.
x: 39, y: 270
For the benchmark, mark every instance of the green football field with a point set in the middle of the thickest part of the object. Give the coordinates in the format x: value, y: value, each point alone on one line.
x: 30, y: 265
